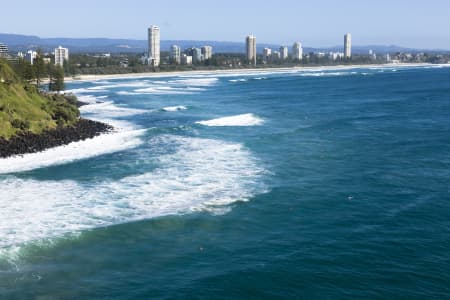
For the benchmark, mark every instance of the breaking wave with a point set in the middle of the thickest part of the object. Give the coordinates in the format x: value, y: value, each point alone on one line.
x: 199, y: 175
x: 238, y: 120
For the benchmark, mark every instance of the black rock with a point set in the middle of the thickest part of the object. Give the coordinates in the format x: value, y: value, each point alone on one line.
x: 31, y: 143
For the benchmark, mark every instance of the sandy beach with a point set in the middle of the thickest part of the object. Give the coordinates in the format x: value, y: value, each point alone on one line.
x: 241, y: 71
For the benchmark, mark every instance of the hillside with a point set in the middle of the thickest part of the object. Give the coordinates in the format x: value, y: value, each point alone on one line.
x: 23, y: 109
x: 17, y: 42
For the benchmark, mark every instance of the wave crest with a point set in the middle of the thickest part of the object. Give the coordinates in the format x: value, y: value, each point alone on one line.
x: 238, y: 120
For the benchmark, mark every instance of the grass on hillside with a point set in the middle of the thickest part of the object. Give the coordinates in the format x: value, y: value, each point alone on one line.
x: 24, y: 109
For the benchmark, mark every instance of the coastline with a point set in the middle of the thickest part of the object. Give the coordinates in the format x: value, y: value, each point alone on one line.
x: 85, y: 129
x: 27, y: 143
x: 94, y: 77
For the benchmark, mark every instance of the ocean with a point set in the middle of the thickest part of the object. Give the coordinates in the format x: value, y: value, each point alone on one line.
x: 295, y: 184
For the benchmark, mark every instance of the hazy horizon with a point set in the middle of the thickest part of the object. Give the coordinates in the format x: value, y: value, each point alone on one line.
x: 314, y: 26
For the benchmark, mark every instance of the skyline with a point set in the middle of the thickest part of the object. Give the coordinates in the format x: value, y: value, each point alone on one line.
x: 271, y: 24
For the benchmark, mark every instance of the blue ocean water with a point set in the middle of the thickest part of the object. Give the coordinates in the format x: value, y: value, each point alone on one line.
x: 328, y: 184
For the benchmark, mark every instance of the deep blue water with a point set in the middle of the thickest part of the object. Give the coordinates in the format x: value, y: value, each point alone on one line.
x: 335, y: 186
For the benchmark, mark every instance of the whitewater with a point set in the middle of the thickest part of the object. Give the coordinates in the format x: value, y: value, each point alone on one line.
x: 187, y: 174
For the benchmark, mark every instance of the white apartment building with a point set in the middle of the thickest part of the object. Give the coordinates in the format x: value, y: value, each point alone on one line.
x: 154, y: 45
x: 175, y: 54
x: 30, y: 56
x: 207, y: 52
x: 3, y: 50
x: 186, y: 59
x: 297, y: 51
x: 284, y: 52
x: 348, y: 45
x: 61, y: 54
x: 251, y: 49
x: 197, y: 56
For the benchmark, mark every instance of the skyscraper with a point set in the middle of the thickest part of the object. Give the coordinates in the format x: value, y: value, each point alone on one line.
x: 348, y: 45
x: 297, y: 51
x: 207, y: 52
x: 284, y: 52
x: 154, y: 48
x: 61, y: 54
x: 196, y: 55
x: 175, y: 54
x: 267, y: 52
x: 251, y: 49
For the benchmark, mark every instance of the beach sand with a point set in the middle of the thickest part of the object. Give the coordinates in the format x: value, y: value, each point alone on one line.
x: 239, y: 71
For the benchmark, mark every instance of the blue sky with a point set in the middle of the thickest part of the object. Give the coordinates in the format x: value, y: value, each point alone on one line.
x: 412, y: 23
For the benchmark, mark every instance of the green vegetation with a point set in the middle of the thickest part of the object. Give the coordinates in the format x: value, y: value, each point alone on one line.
x: 23, y: 108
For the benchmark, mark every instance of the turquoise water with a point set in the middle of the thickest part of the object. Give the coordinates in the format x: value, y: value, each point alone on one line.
x: 326, y: 184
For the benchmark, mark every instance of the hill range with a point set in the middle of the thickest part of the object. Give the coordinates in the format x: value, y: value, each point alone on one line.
x: 18, y: 42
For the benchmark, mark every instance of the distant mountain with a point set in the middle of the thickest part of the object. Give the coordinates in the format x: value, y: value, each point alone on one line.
x: 17, y: 42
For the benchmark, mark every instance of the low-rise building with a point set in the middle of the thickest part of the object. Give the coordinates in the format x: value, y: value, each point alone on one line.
x: 335, y: 55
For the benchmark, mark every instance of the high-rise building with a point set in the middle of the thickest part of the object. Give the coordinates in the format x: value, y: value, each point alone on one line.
x: 267, y: 52
x: 197, y: 55
x: 207, y: 52
x: 251, y: 49
x: 297, y: 51
x: 61, y: 54
x: 348, y: 45
x: 284, y: 52
x: 175, y: 54
x: 154, y: 46
x: 30, y: 56
x: 186, y: 59
x: 3, y: 51
x: 276, y: 55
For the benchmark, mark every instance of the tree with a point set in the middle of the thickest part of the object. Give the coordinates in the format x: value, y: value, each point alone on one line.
x: 56, y: 82
x: 28, y: 72
x: 39, y: 68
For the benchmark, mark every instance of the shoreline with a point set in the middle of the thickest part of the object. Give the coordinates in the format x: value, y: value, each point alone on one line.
x: 96, y: 77
x: 28, y: 143
x: 85, y: 129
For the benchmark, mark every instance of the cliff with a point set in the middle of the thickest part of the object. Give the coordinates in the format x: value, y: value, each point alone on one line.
x: 32, y: 121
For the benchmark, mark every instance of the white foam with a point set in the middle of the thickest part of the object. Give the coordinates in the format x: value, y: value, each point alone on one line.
x: 202, y: 81
x: 174, y: 108
x: 126, y: 93
x: 103, y: 144
x: 103, y: 82
x: 89, y: 99
x: 325, y: 74
x: 109, y: 110
x: 200, y: 175
x: 238, y: 80
x: 163, y: 90
x: 141, y: 83
x: 239, y: 120
x: 86, y: 90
